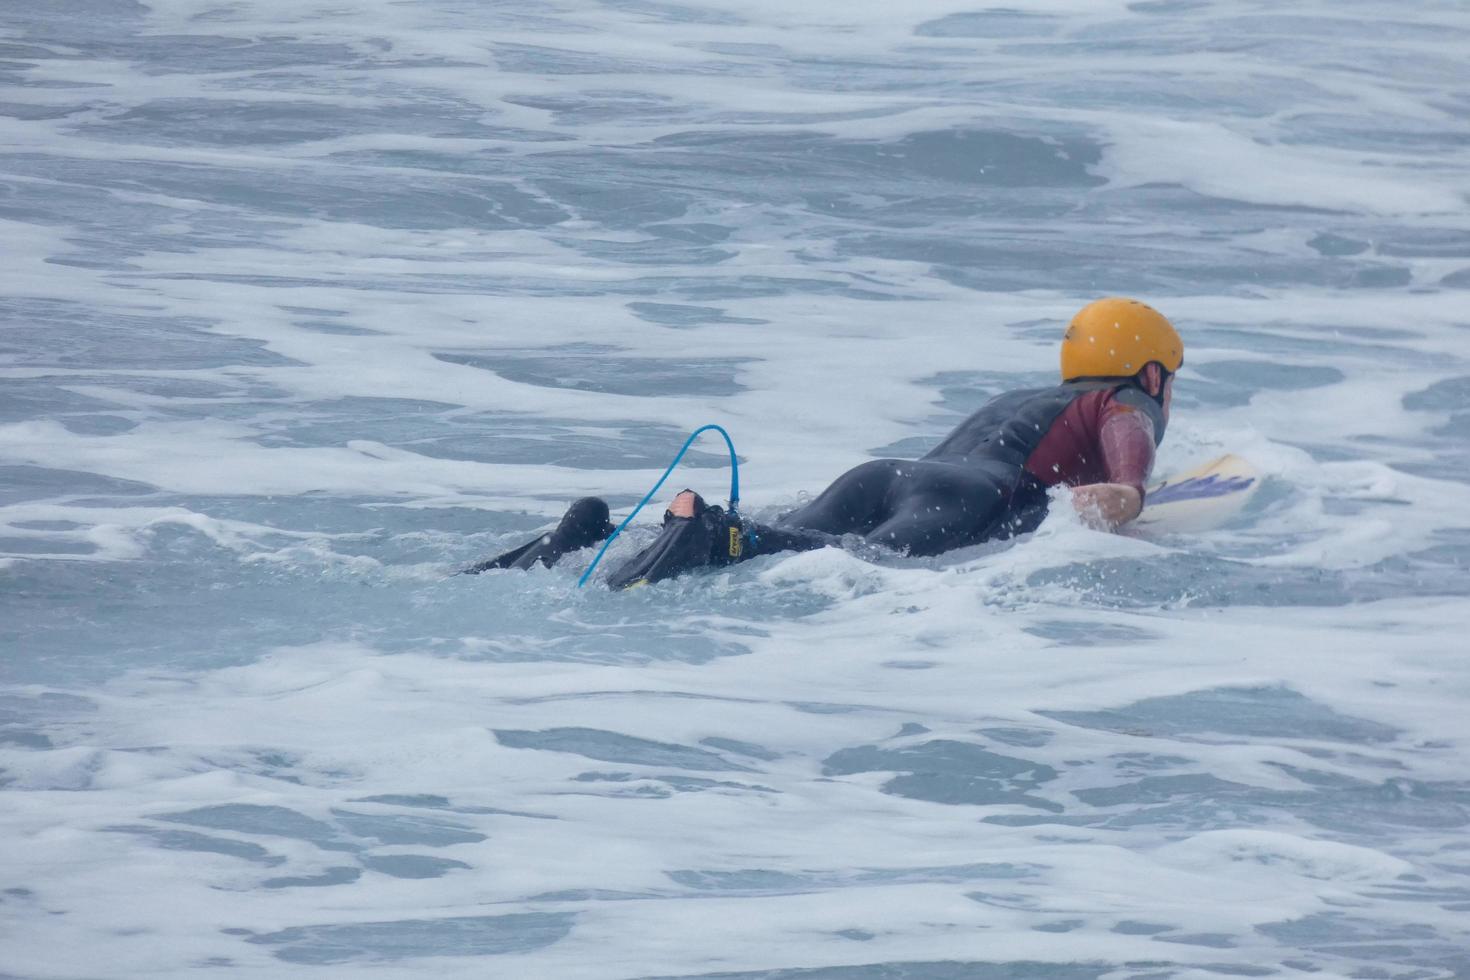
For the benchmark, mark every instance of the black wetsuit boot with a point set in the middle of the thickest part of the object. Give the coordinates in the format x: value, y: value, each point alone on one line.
x: 710, y: 537
x: 585, y: 523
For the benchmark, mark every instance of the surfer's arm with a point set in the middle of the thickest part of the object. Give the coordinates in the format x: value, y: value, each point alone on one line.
x: 1126, y: 443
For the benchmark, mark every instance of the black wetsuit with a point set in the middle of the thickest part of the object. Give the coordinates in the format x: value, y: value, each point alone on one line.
x: 972, y: 487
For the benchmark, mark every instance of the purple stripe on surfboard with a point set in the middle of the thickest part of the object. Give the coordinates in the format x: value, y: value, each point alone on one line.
x: 1199, y: 488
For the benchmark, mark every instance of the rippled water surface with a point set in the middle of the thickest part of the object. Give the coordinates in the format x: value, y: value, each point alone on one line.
x: 304, y: 305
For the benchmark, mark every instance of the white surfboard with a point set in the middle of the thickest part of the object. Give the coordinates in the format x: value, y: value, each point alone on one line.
x: 1200, y: 499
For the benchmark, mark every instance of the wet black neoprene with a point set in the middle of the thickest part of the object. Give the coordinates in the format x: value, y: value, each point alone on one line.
x: 972, y: 487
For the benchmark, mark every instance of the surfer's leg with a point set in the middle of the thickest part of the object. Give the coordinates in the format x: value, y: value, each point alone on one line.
x: 942, y: 506
x: 856, y: 502
x: 765, y: 539
x: 585, y: 523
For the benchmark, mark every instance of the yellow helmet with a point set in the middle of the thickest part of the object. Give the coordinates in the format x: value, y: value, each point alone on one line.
x: 1115, y: 337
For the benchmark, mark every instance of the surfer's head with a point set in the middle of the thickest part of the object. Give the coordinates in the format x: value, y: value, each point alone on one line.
x: 1122, y: 338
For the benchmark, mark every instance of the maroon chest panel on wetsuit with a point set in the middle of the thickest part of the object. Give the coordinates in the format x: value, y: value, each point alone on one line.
x: 1096, y: 439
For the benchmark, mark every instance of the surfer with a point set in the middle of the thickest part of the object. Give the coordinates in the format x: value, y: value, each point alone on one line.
x: 1096, y: 432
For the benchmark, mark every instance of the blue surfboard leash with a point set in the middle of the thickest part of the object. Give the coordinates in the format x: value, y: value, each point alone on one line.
x: 734, y: 491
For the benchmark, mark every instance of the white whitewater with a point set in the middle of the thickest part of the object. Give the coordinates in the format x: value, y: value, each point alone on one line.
x: 304, y: 304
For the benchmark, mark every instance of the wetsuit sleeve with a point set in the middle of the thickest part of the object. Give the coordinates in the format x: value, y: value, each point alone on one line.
x: 1126, y: 441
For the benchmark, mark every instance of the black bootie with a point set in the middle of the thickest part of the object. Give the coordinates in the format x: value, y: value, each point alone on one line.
x: 585, y: 523
x: 710, y: 537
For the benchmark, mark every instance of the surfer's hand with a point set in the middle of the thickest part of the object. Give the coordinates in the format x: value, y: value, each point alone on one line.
x: 1105, y: 506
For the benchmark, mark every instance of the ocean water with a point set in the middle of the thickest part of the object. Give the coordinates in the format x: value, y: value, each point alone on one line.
x: 306, y: 304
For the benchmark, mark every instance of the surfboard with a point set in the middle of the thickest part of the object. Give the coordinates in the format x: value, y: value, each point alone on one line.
x: 1200, y: 499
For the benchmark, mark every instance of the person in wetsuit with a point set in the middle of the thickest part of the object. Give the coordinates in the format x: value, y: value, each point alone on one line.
x: 1095, y: 432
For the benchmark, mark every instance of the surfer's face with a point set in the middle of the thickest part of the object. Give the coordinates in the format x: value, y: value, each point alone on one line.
x: 1168, y: 396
